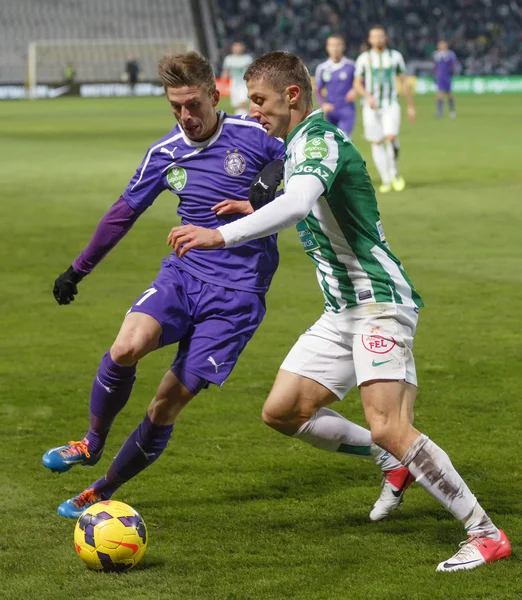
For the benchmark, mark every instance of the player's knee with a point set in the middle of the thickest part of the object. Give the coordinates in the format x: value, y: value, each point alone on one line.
x: 391, y: 138
x: 280, y: 420
x: 284, y: 416
x: 127, y: 352
x: 388, y: 432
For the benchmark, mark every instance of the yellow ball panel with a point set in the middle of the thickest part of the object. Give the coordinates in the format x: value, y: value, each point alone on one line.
x: 110, y: 535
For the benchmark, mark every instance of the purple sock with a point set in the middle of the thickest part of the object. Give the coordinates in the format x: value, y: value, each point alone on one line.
x: 440, y: 107
x: 139, y: 451
x: 451, y: 104
x: 111, y: 389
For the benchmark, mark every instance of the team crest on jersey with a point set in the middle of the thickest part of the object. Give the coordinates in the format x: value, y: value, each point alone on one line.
x: 177, y: 178
x: 316, y: 148
x: 343, y: 75
x: 235, y: 163
x: 327, y: 76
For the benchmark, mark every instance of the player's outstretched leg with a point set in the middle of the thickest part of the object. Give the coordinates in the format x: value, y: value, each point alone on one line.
x: 440, y: 105
x: 296, y: 407
x: 388, y: 407
x: 380, y: 158
x: 111, y: 389
x: 392, y: 151
x: 141, y: 449
x: 451, y: 106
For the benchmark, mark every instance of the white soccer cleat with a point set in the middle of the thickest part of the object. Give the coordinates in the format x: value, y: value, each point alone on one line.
x: 394, y: 484
x: 477, y: 551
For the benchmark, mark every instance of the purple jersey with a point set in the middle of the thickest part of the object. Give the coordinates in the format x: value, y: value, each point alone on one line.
x: 202, y: 174
x: 337, y: 78
x: 445, y: 64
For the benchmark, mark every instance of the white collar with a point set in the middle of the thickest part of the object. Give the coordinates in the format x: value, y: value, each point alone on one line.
x: 336, y: 66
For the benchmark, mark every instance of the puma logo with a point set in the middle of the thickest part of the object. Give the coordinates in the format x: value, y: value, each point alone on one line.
x: 263, y: 185
x: 169, y: 152
x: 147, y: 455
x: 213, y: 362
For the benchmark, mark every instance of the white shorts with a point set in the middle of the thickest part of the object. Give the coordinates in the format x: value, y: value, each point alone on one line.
x: 365, y: 343
x: 381, y: 122
x: 238, y: 94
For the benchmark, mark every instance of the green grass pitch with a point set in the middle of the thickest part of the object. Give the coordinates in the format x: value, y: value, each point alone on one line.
x: 236, y: 511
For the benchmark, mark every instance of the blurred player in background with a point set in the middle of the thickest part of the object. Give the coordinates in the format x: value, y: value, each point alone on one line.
x: 365, y: 336
x: 445, y: 65
x: 334, y: 85
x: 376, y: 72
x: 234, y: 67
x: 132, y: 70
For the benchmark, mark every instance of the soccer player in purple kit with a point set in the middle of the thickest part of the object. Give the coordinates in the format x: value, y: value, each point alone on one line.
x: 211, y: 304
x: 445, y: 64
x: 335, y: 76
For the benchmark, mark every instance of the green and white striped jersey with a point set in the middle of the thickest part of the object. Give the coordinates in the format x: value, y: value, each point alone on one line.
x: 343, y: 234
x: 379, y: 71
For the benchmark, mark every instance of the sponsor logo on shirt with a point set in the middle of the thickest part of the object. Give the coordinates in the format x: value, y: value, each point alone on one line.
x: 316, y: 148
x: 323, y: 173
x: 235, y: 163
x: 326, y: 76
x: 177, y: 178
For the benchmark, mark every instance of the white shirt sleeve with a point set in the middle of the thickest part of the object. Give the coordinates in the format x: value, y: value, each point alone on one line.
x: 359, y: 66
x: 301, y: 193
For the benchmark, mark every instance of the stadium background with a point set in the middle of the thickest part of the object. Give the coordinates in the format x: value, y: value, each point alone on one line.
x: 234, y: 510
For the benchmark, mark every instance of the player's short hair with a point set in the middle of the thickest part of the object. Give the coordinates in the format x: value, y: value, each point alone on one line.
x: 381, y: 27
x: 189, y: 69
x: 336, y: 36
x: 280, y: 70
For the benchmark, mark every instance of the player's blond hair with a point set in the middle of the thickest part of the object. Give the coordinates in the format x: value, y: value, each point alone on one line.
x: 189, y: 69
x: 281, y: 70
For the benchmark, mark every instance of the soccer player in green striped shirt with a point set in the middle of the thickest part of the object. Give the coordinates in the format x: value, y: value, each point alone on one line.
x: 376, y: 72
x: 365, y: 335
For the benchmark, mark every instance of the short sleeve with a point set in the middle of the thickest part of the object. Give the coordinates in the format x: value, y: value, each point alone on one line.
x: 146, y: 185
x: 226, y: 63
x: 359, y: 66
x: 318, y: 154
x: 318, y: 77
x: 399, y: 61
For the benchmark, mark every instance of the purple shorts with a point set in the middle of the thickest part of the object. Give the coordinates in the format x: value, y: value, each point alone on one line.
x: 343, y: 117
x: 444, y: 85
x: 212, y: 324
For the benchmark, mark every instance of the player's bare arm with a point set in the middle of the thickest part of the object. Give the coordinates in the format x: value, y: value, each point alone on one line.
x: 406, y: 90
x: 358, y: 86
x: 302, y: 193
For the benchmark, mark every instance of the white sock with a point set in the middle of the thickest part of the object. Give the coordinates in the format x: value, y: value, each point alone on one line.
x: 392, y: 161
x: 433, y: 470
x: 380, y: 158
x: 330, y: 431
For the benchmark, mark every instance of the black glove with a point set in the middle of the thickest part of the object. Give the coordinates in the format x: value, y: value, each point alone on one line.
x: 264, y: 187
x: 65, y: 288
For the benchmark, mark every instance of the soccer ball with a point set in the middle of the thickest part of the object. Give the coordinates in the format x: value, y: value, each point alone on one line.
x: 110, y: 536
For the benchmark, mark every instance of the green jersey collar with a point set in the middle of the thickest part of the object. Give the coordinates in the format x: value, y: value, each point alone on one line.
x: 316, y: 115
